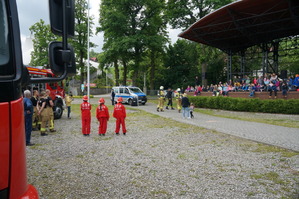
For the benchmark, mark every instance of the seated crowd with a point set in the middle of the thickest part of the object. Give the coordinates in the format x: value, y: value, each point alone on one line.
x: 270, y: 83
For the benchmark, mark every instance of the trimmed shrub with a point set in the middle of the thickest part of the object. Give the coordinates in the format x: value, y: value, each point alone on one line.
x: 247, y: 105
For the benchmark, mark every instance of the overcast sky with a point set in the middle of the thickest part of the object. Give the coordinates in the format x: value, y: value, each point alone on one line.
x: 31, y: 11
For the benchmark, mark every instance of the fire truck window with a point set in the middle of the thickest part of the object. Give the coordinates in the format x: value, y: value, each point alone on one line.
x: 4, y: 41
x: 53, y: 86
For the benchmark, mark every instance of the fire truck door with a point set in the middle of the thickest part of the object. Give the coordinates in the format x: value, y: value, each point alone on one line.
x: 4, y: 149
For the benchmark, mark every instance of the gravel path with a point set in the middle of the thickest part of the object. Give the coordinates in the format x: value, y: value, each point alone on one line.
x: 158, y: 158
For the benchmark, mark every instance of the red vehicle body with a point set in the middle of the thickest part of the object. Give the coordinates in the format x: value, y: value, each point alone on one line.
x: 13, y: 77
x: 57, y: 92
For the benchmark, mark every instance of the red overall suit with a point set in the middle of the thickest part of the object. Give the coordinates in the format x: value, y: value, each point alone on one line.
x: 102, y: 116
x: 120, y: 114
x: 85, y: 116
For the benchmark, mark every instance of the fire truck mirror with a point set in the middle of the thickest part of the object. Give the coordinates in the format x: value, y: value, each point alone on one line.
x: 58, y: 57
x: 57, y: 15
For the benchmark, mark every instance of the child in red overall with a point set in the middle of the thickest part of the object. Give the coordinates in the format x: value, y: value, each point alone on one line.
x: 120, y: 114
x: 102, y: 116
x: 85, y: 116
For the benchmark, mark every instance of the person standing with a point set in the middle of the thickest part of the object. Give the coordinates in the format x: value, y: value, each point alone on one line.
x: 191, y: 110
x: 112, y: 97
x: 28, y: 112
x: 85, y: 116
x: 185, y: 105
x: 120, y: 114
x: 50, y: 105
x: 35, y: 118
x: 42, y: 113
x: 285, y: 89
x: 102, y: 115
x: 68, y: 103
x: 169, y: 97
x: 161, y: 99
x: 179, y: 99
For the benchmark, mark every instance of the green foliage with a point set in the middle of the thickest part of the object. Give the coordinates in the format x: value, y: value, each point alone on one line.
x: 130, y: 28
x: 183, y: 13
x: 42, y: 37
x: 247, y: 105
x: 181, y: 63
x: 79, y: 42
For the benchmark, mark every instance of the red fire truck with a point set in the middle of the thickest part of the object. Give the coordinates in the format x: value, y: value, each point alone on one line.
x: 13, y: 77
x: 57, y: 92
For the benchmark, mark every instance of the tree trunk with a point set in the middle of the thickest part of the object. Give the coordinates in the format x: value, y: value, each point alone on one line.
x: 116, y: 69
x: 125, y: 73
x: 204, y: 67
x: 152, y: 71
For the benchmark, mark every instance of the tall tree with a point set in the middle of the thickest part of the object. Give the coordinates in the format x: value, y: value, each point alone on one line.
x: 79, y: 42
x: 183, y: 13
x: 42, y: 37
x: 180, y: 64
x: 127, y: 25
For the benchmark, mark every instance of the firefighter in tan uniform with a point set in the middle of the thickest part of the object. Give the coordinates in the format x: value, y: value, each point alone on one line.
x: 43, y: 113
x: 161, y: 99
x: 179, y: 97
x: 50, y: 112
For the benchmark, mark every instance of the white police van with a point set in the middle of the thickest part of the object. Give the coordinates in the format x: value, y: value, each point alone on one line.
x: 130, y: 95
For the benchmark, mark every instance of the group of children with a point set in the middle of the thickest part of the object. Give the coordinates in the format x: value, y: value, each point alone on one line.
x: 102, y: 115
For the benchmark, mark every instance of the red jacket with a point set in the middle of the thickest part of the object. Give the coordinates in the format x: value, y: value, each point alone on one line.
x: 119, y: 111
x: 85, y: 109
x: 102, y: 111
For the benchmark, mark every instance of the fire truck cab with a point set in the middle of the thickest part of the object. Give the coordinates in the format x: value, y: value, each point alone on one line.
x: 13, y: 77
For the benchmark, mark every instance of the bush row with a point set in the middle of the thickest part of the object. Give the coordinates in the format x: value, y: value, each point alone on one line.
x: 290, y: 106
x: 79, y: 96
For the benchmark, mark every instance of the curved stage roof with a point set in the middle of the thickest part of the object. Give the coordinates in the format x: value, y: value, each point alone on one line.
x: 246, y: 23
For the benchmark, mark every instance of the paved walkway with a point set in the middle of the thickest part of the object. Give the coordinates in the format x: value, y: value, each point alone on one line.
x: 270, y: 134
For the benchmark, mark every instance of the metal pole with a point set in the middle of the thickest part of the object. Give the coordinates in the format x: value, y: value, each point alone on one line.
x: 106, y: 80
x: 88, y: 61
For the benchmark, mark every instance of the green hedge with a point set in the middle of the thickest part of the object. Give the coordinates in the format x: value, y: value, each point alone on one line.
x: 290, y: 106
x: 79, y: 96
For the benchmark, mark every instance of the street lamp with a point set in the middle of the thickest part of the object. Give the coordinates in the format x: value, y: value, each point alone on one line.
x: 88, y: 61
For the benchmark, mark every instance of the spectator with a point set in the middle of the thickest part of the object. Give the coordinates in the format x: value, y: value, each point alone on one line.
x: 260, y: 81
x: 185, y: 105
x: 285, y: 89
x: 191, y: 110
x: 266, y: 82
x: 28, y: 112
x: 225, y: 90
x: 251, y: 90
x: 273, y: 87
x: 112, y: 97
x: 296, y: 82
x: 68, y: 103
x: 199, y: 90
